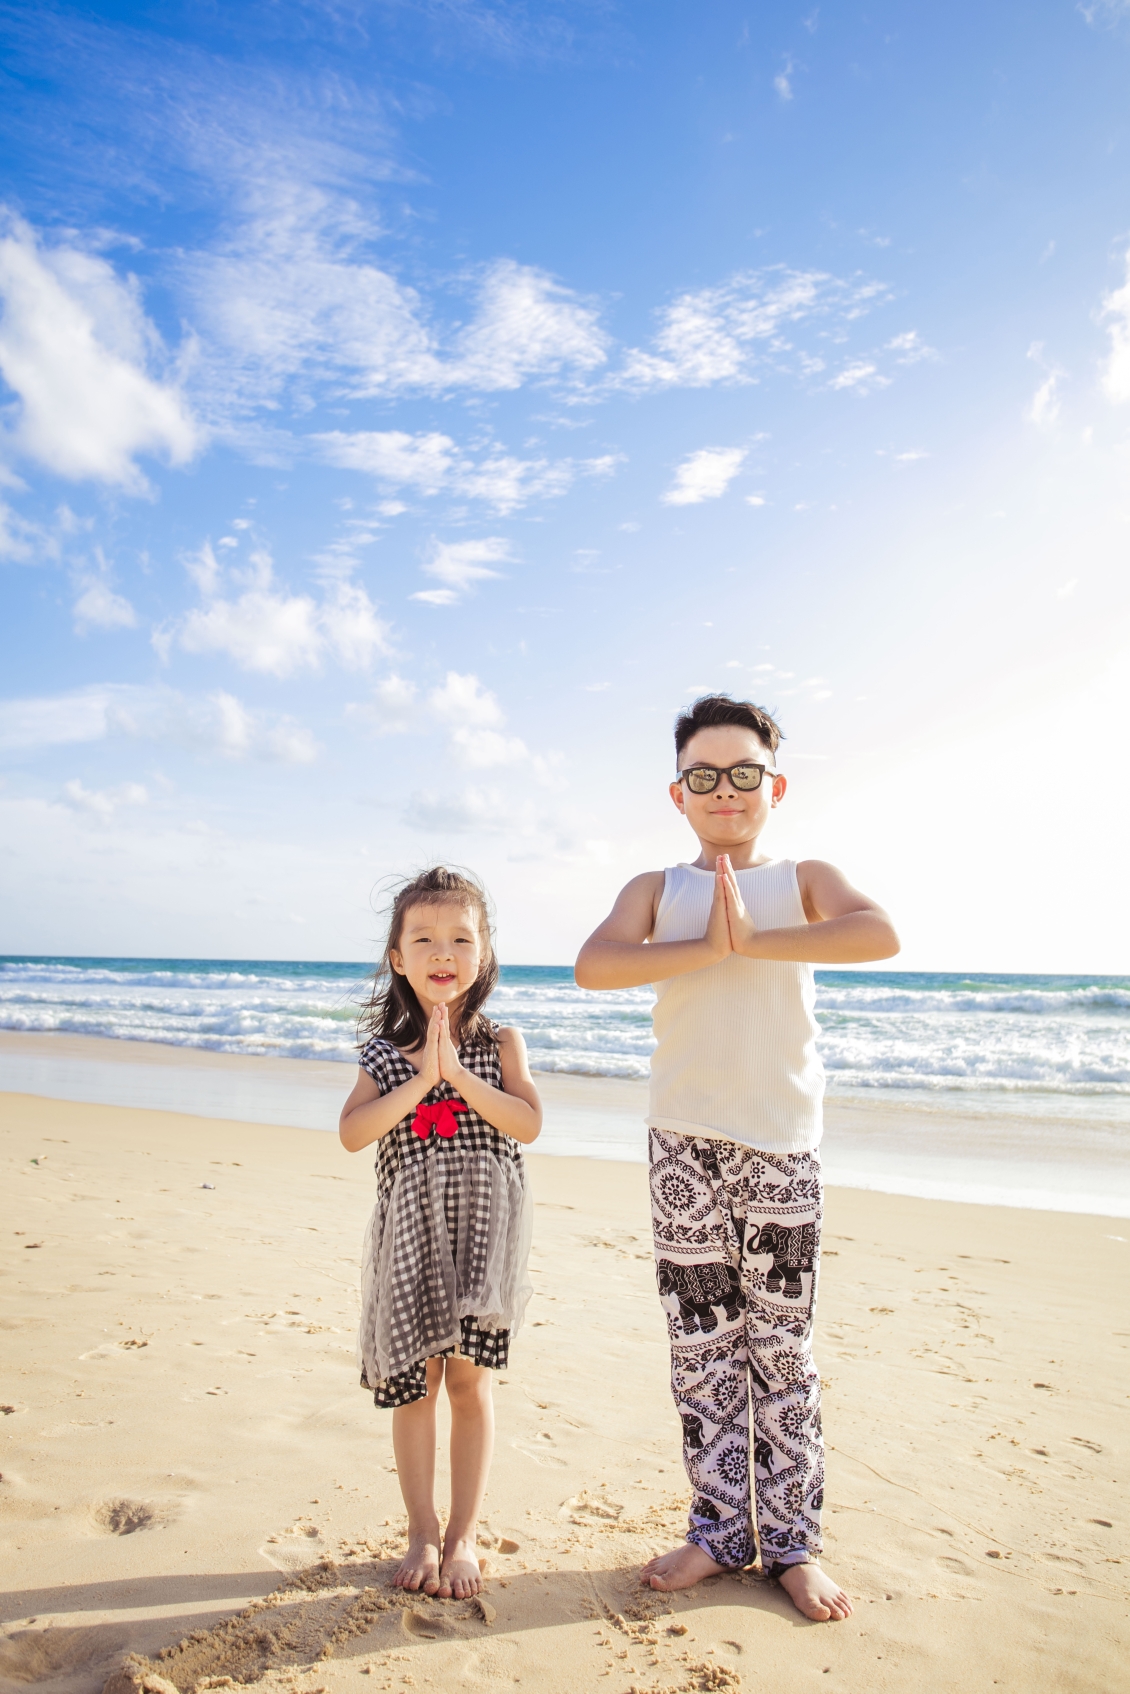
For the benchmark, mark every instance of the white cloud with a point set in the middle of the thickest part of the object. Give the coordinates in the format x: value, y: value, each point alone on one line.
x: 527, y: 325
x: 910, y: 348
x: 462, y: 700
x: 704, y: 475
x: 17, y: 536
x: 98, y: 607
x: 431, y: 463
x: 459, y: 565
x: 477, y: 809
x: 782, y: 82
x: 861, y: 376
x: 1116, y: 311
x: 392, y: 708
x: 722, y: 334
x: 102, y: 803
x: 267, y: 628
x: 393, y: 457
x: 75, y: 346
x: 216, y: 723
x: 1043, y: 409
x: 294, y: 294
x: 475, y: 720
x: 469, y: 712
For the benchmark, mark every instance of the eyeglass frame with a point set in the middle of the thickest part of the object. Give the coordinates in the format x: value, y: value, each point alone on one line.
x: 728, y: 770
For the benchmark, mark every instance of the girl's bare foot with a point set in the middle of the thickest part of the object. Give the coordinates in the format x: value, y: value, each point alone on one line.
x: 419, y: 1568
x: 682, y: 1568
x: 815, y: 1594
x: 459, y: 1577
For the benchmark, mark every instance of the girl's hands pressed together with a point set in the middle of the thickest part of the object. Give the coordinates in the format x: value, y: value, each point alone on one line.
x: 430, y: 1071
x: 450, y: 1065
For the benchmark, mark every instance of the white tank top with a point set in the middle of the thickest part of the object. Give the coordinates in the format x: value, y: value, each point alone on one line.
x: 736, y: 1056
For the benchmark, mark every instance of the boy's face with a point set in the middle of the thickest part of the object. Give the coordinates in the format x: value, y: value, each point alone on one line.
x: 728, y: 815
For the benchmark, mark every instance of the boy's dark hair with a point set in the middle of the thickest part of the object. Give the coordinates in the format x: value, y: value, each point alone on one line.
x: 712, y: 710
x: 392, y: 1009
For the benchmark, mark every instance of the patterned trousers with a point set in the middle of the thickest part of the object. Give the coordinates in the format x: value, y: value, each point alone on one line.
x: 737, y: 1244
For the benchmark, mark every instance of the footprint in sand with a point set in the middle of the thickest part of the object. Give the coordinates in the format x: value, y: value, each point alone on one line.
x: 126, y: 1517
x: 590, y: 1508
x: 957, y: 1566
x: 295, y: 1549
x: 540, y: 1451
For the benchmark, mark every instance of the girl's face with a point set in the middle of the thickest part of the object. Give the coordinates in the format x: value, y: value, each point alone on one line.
x: 440, y: 953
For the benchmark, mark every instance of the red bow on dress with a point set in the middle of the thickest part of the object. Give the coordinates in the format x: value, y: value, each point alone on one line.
x: 441, y: 1117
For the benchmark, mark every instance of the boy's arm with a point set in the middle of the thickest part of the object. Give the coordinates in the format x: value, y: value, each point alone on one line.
x: 618, y: 953
x: 844, y: 927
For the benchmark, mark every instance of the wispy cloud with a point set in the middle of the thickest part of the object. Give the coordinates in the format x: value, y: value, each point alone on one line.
x: 910, y: 349
x: 1043, y: 408
x: 1116, y: 313
x: 724, y: 334
x: 704, y: 475
x: 295, y: 295
x: 102, y: 803
x: 87, y: 366
x: 459, y: 565
x: 432, y: 463
x: 215, y: 723
x: 266, y: 627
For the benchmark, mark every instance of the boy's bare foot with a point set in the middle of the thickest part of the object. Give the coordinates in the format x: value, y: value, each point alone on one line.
x: 459, y: 1577
x: 814, y: 1593
x: 682, y: 1568
x: 419, y: 1568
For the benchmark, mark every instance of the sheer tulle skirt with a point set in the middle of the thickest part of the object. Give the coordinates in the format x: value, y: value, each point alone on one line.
x: 450, y: 1241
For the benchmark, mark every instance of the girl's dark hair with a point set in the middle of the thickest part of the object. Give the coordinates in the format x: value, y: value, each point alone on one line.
x: 392, y: 1009
x: 712, y: 710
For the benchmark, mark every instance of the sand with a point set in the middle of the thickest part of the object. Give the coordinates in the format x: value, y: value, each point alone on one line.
x: 187, y: 1459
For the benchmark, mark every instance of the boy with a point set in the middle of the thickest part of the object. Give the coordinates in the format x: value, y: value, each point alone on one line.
x: 735, y: 1120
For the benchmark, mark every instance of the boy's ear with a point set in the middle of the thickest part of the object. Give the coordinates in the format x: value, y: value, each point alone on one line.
x: 676, y: 793
x: 779, y: 786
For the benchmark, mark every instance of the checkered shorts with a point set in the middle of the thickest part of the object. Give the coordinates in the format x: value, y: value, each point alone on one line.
x: 444, y: 1267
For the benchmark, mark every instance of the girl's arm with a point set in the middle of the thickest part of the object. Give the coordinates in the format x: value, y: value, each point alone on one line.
x: 368, y: 1114
x: 515, y: 1108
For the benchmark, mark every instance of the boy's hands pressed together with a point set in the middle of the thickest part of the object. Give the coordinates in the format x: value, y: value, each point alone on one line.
x: 719, y: 935
x: 742, y: 929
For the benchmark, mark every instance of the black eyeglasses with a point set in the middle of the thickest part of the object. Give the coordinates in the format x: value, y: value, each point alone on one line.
x: 704, y: 779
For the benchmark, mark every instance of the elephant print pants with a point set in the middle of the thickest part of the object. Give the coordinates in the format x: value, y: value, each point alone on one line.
x: 737, y: 1243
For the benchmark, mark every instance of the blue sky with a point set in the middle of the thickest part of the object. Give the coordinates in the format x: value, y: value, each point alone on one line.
x: 406, y: 408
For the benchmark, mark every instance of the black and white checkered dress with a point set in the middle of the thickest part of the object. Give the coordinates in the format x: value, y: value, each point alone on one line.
x: 444, y: 1264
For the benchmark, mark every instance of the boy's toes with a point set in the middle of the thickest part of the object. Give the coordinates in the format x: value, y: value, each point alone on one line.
x: 814, y: 1594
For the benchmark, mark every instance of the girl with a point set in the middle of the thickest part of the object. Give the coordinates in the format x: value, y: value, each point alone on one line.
x: 448, y: 1098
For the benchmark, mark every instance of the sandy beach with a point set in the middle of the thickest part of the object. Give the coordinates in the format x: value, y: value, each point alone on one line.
x: 183, y: 1434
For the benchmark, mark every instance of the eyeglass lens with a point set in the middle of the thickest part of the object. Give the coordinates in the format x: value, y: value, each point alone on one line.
x: 705, y: 779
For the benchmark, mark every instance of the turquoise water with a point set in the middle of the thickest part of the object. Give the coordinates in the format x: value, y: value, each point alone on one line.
x: 1052, y: 1037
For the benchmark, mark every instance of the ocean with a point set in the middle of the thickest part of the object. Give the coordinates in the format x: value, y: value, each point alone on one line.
x: 1010, y: 1050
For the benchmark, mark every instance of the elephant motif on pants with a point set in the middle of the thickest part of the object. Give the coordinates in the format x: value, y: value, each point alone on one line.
x: 699, y: 1288
x: 693, y: 1438
x: 792, y: 1248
